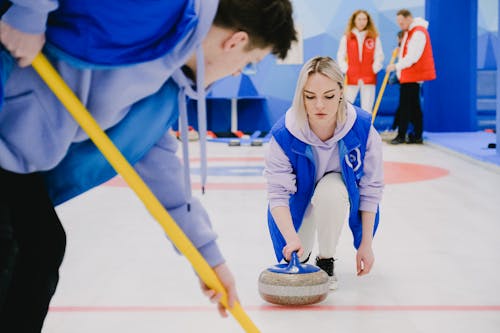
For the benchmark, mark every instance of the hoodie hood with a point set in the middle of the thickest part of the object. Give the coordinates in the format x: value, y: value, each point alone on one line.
x: 419, y: 21
x: 308, y: 136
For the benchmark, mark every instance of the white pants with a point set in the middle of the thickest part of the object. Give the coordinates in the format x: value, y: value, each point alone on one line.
x: 325, y: 216
x: 367, y: 95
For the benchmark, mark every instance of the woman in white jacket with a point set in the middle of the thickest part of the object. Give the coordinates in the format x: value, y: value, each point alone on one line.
x: 360, y: 56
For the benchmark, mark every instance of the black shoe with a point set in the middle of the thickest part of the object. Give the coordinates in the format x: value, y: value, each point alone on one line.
x: 327, y: 265
x: 397, y: 140
x: 413, y: 139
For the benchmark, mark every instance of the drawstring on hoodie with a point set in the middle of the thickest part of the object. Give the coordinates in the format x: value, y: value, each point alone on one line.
x: 202, y: 115
x: 187, y: 90
x: 183, y: 124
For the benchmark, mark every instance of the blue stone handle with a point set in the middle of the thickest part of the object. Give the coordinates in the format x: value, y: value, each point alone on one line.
x: 293, y: 267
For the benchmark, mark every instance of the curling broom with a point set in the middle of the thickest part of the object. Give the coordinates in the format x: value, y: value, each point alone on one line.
x: 121, y: 165
x: 384, y: 84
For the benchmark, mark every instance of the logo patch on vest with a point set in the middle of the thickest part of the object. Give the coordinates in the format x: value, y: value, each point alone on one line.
x: 353, y: 159
x: 369, y: 43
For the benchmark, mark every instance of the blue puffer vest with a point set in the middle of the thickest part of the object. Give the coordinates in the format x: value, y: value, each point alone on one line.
x: 352, y: 150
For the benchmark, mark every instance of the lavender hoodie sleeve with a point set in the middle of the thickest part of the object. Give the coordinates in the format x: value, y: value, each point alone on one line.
x: 371, y: 184
x: 279, y: 175
x: 29, y: 16
x: 163, y: 173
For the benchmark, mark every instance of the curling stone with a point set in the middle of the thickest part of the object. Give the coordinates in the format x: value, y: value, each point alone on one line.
x: 293, y: 283
x: 256, y: 143
x: 234, y: 142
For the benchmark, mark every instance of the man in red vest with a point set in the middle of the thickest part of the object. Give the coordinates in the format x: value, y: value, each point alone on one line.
x: 415, y: 65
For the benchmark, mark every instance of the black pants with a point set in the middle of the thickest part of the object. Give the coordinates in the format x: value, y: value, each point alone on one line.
x: 395, y: 122
x: 32, y: 244
x: 409, y: 110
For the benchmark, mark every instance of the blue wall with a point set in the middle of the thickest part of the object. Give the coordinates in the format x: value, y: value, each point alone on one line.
x: 450, y: 100
x: 487, y: 32
x: 497, y: 48
x: 487, y: 51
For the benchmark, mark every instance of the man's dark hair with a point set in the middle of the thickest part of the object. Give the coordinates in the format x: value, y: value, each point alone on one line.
x: 267, y: 22
x: 404, y: 13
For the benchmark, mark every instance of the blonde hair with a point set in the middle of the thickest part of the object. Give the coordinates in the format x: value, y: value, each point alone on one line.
x: 371, y: 30
x: 325, y: 66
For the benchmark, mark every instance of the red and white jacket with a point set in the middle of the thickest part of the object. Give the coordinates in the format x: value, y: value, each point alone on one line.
x: 416, y: 62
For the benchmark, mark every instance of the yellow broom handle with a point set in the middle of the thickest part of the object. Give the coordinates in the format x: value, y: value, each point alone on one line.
x: 121, y: 165
x: 384, y: 84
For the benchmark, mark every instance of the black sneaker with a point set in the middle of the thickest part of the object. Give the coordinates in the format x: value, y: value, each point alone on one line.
x: 397, y: 140
x: 413, y: 139
x: 327, y: 265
